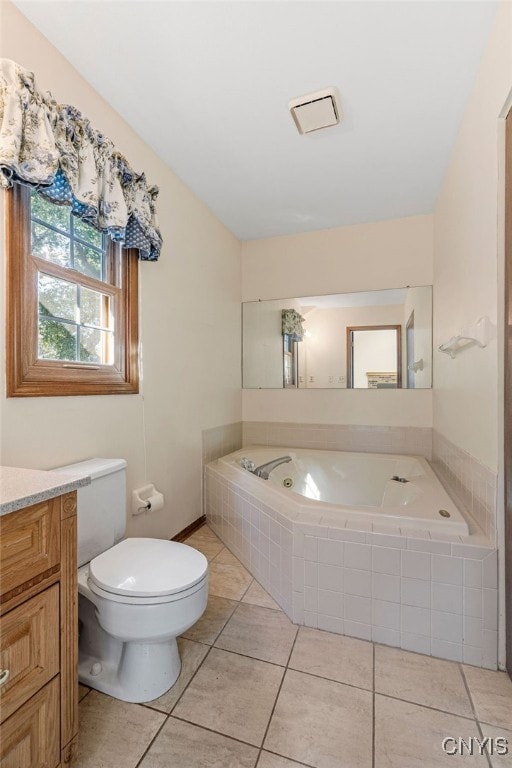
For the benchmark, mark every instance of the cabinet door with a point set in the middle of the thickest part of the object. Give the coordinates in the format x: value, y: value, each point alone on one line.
x: 29, y: 544
x: 30, y: 737
x: 29, y: 649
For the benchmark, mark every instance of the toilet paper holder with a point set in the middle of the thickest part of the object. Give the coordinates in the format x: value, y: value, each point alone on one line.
x: 146, y: 499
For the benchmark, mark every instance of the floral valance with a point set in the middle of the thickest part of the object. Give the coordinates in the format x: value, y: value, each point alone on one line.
x: 55, y: 149
x: 292, y: 324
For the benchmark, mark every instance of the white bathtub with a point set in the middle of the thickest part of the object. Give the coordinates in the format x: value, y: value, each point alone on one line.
x: 359, y: 486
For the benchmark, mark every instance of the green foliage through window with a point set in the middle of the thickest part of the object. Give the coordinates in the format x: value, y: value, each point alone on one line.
x: 75, y: 321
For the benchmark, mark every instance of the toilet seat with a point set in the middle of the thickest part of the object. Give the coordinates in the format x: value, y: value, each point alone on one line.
x: 114, y: 598
x: 136, y: 570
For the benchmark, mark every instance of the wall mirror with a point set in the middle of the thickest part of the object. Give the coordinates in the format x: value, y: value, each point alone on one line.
x: 365, y: 340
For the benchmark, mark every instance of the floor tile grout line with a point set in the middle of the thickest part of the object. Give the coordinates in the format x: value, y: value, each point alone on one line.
x: 424, y: 706
x: 493, y: 725
x: 285, y: 670
x: 168, y: 714
x: 211, y: 730
x: 166, y: 718
x: 329, y: 679
x: 273, y: 663
x: 287, y: 665
x: 265, y: 607
x: 190, y: 681
x: 468, y: 691
x: 249, y: 586
x: 233, y: 738
x: 219, y: 633
x: 148, y: 704
x: 294, y: 760
x: 470, y: 697
x: 85, y: 694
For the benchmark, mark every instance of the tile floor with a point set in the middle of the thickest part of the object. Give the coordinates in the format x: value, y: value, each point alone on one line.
x: 256, y: 690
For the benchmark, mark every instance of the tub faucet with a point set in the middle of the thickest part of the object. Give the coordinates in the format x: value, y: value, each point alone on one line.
x: 264, y: 470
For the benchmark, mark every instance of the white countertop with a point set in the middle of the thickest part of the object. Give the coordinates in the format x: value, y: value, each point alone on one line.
x: 22, y: 487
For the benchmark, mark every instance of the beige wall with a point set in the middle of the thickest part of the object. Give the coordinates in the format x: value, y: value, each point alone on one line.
x: 419, y: 302
x: 467, y: 280
x: 262, y: 347
x: 190, y: 316
x: 326, y: 349
x: 389, y: 254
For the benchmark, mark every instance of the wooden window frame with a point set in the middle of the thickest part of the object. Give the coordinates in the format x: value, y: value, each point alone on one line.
x: 293, y: 357
x: 28, y: 376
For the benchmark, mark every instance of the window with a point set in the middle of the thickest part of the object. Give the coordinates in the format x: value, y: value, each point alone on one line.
x: 72, y: 325
x: 290, y: 366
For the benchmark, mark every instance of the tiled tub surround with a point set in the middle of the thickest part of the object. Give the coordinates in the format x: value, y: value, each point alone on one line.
x: 416, y: 441
x: 436, y: 596
x: 468, y: 480
x: 218, y: 441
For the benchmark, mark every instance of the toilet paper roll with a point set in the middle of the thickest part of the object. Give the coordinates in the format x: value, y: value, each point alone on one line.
x: 155, y: 502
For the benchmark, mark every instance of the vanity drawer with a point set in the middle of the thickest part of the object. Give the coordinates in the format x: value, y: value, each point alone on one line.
x: 29, y: 545
x: 29, y: 649
x: 30, y: 737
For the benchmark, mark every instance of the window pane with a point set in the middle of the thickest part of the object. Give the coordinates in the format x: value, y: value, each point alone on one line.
x: 94, y: 308
x: 95, y: 346
x: 57, y: 297
x: 57, y: 341
x: 49, y: 245
x: 85, y: 232
x: 87, y: 261
x: 56, y: 215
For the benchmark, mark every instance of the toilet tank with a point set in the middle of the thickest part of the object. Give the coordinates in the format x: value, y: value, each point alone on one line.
x: 101, y: 506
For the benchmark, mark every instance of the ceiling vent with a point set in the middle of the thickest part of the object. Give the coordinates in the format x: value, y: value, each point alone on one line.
x: 315, y: 110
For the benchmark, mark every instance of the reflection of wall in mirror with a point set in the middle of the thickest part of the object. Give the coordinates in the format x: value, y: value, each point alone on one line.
x: 419, y: 301
x: 263, y: 342
x: 325, y: 350
x: 375, y: 358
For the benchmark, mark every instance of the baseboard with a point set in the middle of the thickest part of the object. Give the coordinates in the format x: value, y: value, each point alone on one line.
x: 186, y: 532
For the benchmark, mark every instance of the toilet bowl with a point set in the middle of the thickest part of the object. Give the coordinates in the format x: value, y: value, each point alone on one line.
x: 135, y: 595
x: 145, y: 593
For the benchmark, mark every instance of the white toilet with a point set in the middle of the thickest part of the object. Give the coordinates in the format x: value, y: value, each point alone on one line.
x: 135, y: 595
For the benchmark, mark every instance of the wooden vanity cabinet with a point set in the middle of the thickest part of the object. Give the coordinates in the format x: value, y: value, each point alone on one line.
x: 38, y: 635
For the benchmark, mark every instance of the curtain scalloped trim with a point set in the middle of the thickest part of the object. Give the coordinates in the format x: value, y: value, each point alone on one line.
x: 292, y: 324
x: 54, y: 148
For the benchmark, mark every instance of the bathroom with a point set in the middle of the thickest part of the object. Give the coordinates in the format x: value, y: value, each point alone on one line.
x: 191, y: 407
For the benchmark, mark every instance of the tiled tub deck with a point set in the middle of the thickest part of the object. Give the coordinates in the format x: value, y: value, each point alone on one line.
x: 436, y: 596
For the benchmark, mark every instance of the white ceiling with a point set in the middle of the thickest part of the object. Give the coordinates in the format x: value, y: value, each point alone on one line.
x: 207, y: 84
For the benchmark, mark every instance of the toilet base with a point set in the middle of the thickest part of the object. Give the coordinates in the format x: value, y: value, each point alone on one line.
x: 133, y: 672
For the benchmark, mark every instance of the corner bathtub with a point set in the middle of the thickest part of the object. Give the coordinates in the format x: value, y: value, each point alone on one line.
x: 360, y: 554
x: 359, y: 487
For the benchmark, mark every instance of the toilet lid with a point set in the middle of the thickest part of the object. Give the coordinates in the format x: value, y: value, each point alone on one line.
x: 148, y: 567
